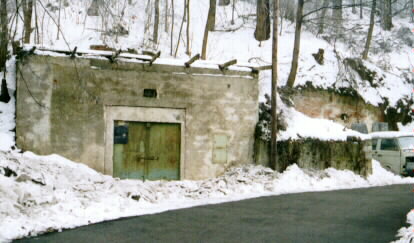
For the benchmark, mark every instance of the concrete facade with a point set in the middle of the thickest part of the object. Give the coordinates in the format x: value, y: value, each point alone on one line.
x: 67, y: 106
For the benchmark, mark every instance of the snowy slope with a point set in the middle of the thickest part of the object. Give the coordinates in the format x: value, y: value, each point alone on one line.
x: 393, y: 65
x: 237, y: 41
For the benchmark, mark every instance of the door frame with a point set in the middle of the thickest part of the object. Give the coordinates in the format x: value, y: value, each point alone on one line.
x: 141, y: 114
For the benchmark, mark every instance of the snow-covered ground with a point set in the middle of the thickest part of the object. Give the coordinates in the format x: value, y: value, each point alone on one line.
x: 7, y: 111
x: 46, y: 193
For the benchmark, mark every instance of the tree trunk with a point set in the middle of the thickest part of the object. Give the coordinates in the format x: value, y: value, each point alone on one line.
x: 273, y: 142
x: 233, y: 8
x: 353, y: 7
x: 262, y: 31
x: 181, y: 29
x: 4, y: 38
x: 296, y: 48
x: 58, y: 25
x: 93, y: 10
x: 361, y: 14
x: 210, y: 23
x: 172, y: 28
x: 381, y: 7
x: 37, y: 33
x: 166, y: 28
x: 187, y: 7
x: 224, y: 2
x: 156, y: 21
x: 289, y: 11
x: 370, y: 30
x: 322, y: 17
x: 387, y: 15
x: 28, y: 11
x: 337, y: 15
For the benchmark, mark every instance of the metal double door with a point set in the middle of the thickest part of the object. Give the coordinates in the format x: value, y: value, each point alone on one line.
x: 147, y: 151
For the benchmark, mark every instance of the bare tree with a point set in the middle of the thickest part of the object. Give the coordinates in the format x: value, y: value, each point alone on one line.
x: 166, y: 17
x: 181, y: 28
x: 93, y: 9
x: 337, y: 15
x: 4, y: 38
x: 321, y: 26
x: 262, y: 31
x: 233, y: 8
x: 370, y: 30
x: 156, y: 21
x: 58, y: 25
x: 273, y: 142
x: 353, y: 7
x: 361, y: 10
x: 296, y: 48
x: 224, y: 2
x: 210, y: 23
x: 386, y: 15
x: 287, y: 9
x: 27, y: 12
x: 187, y: 7
x: 172, y: 27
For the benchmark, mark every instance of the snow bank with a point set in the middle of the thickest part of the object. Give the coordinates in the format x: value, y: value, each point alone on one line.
x: 7, y: 122
x: 47, y: 193
x: 407, y: 233
x: 302, y: 126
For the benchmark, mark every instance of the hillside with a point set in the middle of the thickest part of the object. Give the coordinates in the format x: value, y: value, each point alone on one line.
x: 390, y: 58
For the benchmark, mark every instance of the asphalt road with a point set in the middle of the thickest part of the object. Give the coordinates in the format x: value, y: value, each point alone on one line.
x: 360, y: 215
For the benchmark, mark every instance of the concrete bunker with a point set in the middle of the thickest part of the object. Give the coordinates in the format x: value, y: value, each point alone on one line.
x: 132, y: 119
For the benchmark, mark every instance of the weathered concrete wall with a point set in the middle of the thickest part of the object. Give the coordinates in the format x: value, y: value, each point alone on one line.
x: 316, y: 154
x: 342, y: 108
x: 61, y: 107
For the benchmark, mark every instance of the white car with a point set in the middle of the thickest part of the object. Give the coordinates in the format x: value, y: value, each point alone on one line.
x: 395, y: 151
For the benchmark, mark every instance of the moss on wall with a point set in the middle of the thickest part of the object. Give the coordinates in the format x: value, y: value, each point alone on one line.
x: 317, y: 154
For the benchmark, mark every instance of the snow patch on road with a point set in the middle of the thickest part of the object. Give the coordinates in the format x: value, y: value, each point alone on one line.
x: 406, y: 234
x: 47, y: 193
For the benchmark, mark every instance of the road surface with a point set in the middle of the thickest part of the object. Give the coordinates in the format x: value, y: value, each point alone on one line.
x: 360, y: 215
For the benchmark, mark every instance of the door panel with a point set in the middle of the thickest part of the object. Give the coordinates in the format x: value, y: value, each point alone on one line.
x: 129, y: 158
x: 152, y: 151
x: 164, y: 144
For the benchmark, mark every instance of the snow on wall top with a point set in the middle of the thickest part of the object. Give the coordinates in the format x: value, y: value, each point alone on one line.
x: 136, y: 58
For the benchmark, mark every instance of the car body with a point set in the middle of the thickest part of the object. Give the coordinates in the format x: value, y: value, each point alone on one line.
x: 394, y: 151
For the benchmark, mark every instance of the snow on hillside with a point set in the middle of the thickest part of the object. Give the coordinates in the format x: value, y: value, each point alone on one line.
x: 390, y: 56
x: 47, y: 193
